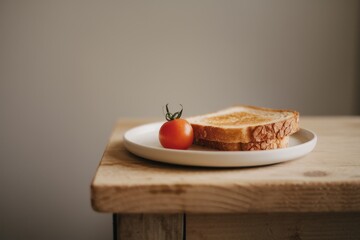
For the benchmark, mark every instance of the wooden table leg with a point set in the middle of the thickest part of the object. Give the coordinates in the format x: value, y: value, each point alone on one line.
x: 114, y: 226
x: 148, y: 226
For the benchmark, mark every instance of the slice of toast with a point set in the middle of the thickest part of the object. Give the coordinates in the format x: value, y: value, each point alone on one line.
x: 244, y: 124
x: 264, y: 145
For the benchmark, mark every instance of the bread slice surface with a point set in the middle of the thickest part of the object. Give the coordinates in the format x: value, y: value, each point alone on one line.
x: 245, y: 124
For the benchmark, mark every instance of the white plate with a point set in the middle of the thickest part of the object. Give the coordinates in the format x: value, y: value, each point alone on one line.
x: 143, y: 141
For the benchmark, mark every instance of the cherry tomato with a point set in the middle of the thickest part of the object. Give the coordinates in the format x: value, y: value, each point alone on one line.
x: 176, y: 133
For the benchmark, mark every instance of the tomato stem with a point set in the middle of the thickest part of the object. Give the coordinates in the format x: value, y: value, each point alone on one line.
x: 169, y: 116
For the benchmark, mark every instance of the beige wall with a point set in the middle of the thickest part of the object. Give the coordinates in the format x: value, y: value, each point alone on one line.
x: 69, y: 69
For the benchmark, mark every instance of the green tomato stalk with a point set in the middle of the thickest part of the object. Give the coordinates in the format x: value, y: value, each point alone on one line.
x: 170, y: 116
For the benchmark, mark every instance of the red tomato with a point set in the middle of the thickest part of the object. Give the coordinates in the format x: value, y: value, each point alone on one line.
x: 176, y: 134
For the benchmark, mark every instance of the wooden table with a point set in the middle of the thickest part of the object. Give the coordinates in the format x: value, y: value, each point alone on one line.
x: 314, y: 197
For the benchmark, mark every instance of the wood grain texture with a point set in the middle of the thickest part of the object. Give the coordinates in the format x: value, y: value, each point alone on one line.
x: 150, y: 226
x: 327, y: 180
x: 279, y: 226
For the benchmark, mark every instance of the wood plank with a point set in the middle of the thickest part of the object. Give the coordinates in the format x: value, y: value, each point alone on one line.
x: 294, y: 226
x: 326, y: 180
x: 150, y: 227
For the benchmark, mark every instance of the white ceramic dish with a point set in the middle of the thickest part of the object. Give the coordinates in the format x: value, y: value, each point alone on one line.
x: 143, y: 141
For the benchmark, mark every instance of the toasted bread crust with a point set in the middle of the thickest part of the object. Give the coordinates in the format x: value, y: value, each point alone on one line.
x: 252, y: 146
x: 257, y: 133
